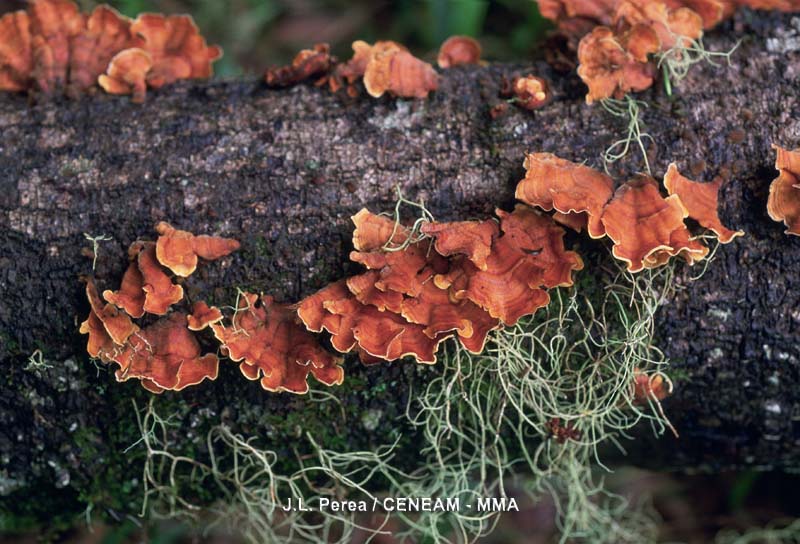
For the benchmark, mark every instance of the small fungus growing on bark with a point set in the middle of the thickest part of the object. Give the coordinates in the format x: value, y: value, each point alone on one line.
x: 178, y: 250
x: 160, y: 292
x: 647, y: 387
x: 457, y: 51
x: 308, y: 64
x: 274, y: 347
x: 701, y: 201
x: 530, y: 92
x: 392, y: 69
x: 783, y: 203
x: 16, y: 59
x: 117, y: 324
x: 671, y: 25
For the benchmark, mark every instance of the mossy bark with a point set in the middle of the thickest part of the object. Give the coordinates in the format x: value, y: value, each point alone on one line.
x: 283, y: 171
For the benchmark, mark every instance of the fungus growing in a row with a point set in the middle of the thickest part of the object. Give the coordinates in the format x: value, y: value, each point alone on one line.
x: 457, y: 51
x: 783, y: 203
x: 646, y: 228
x: 271, y: 345
x: 178, y: 250
x: 701, y: 201
x: 308, y: 64
x: 53, y: 47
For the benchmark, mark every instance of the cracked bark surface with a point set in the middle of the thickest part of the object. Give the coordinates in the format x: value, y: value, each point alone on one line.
x: 282, y: 171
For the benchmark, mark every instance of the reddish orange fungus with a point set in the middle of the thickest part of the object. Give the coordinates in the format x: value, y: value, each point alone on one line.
x: 202, y: 316
x: 459, y: 50
x: 176, y: 47
x: 648, y: 387
x: 271, y: 345
x: 160, y: 292
x: 700, y: 201
x: 669, y: 24
x: 165, y: 355
x: 578, y: 192
x: 16, y: 58
x: 116, y: 323
x: 471, y: 238
x: 783, y: 203
x: 131, y: 295
x: 391, y: 68
x: 178, y: 249
x: 530, y: 92
x: 647, y: 228
x: 612, y: 65
x: 127, y: 74
x: 307, y: 64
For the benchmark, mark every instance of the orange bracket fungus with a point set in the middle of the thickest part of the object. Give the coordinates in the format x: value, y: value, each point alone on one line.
x: 307, y: 64
x: 392, y: 69
x: 202, y: 316
x: 272, y: 345
x: 471, y: 238
x: 612, y: 65
x: 647, y: 387
x: 53, y: 47
x: 131, y: 295
x: 127, y: 73
x: 700, y: 201
x: 178, y: 250
x: 783, y: 203
x: 165, y: 355
x: 457, y: 51
x: 646, y: 228
x: 578, y: 193
x: 160, y: 292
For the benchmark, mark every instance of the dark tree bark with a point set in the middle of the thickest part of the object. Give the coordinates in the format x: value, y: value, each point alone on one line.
x: 284, y: 170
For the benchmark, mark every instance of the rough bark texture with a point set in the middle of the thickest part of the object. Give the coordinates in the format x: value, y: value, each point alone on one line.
x: 284, y: 170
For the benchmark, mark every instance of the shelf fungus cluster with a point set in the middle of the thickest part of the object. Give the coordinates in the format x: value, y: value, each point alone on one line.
x: 165, y: 353
x: 461, y: 279
x: 385, y: 67
x: 52, y: 47
x: 617, y: 38
x: 783, y: 203
x: 646, y: 227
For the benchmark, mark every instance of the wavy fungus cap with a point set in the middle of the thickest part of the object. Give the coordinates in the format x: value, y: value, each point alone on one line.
x: 647, y: 228
x: 127, y: 74
x: 165, y: 355
x: 392, y: 69
x: 178, y: 250
x: 569, y: 188
x: 783, y: 203
x: 701, y: 201
x: 612, y: 65
x: 272, y: 346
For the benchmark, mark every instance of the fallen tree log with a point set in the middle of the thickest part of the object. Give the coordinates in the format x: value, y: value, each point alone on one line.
x: 283, y: 171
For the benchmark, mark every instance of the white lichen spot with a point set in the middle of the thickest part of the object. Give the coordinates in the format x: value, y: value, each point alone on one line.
x: 772, y: 407
x: 721, y: 315
x: 371, y: 418
x: 786, y: 39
